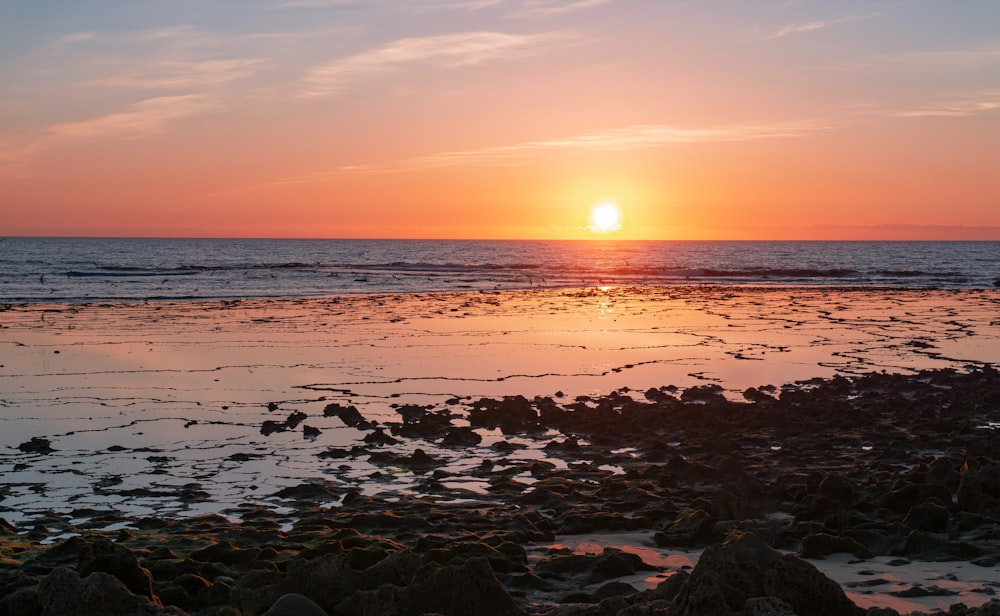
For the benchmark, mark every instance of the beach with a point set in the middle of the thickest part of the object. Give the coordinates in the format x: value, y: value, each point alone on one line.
x: 513, y: 426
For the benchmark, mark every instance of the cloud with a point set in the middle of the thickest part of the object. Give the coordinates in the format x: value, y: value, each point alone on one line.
x: 15, y: 159
x: 449, y: 50
x: 462, y: 5
x: 313, y: 4
x: 972, y: 104
x: 963, y: 58
x: 819, y: 25
x: 636, y: 137
x: 556, y: 7
x: 182, y: 74
x: 146, y: 117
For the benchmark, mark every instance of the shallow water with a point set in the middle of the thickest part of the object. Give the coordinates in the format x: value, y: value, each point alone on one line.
x: 142, y: 402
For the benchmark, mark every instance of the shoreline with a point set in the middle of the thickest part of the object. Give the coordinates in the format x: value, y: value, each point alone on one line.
x: 115, y: 415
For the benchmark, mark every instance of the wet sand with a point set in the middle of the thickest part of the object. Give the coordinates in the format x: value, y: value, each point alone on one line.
x: 114, y: 412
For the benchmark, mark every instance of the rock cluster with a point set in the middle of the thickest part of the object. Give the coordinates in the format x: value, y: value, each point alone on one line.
x: 881, y: 465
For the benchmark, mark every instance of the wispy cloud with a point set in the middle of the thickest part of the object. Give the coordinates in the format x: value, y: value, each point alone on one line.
x: 450, y: 50
x: 636, y: 137
x: 961, y: 58
x: 16, y: 157
x: 146, y: 117
x: 819, y: 25
x: 461, y: 5
x: 323, y: 4
x: 557, y: 7
x: 968, y: 105
x: 167, y: 73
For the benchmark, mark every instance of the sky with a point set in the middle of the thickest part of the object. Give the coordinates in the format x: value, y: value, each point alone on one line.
x: 699, y: 119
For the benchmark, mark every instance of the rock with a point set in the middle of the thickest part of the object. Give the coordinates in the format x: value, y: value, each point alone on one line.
x: 270, y: 426
x: 611, y: 563
x: 226, y: 553
x: 370, y: 602
x: 767, y: 606
x: 689, y: 528
x: 308, y: 491
x: 379, y: 437
x: 347, y: 414
x: 838, y: 489
x: 926, y: 546
x: 63, y: 591
x: 904, y: 498
x: 924, y: 591
x: 327, y: 580
x: 21, y: 602
x: 37, y: 445
x: 104, y: 556
x: 744, y: 567
x: 461, y: 437
x: 818, y: 545
x: 294, y: 604
x: 928, y: 516
x: 513, y: 415
x: 979, y: 490
x: 458, y: 590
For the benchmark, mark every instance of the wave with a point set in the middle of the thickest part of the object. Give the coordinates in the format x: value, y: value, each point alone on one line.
x: 60, y: 269
x: 125, y: 273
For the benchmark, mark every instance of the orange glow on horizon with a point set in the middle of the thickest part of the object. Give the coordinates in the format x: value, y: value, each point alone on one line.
x: 505, y: 122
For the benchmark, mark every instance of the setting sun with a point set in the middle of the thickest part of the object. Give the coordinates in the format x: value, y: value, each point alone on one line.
x: 605, y: 217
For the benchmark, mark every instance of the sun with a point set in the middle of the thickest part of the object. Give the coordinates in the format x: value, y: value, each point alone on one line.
x: 605, y: 217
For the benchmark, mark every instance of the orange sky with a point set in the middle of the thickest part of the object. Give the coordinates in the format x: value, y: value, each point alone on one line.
x: 501, y: 119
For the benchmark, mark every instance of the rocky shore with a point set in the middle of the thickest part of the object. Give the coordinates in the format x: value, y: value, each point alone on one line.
x: 905, y: 467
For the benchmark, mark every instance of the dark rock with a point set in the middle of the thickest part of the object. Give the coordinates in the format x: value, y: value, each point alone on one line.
x: 327, y: 580
x: 818, y: 545
x: 924, y: 591
x: 608, y: 565
x: 458, y: 590
x: 379, y: 437
x: 767, y: 606
x: 104, y: 556
x: 744, y: 567
x: 979, y: 490
x: 689, y: 528
x: 347, y: 414
x: 513, y: 415
x: 421, y: 458
x: 928, y: 516
x: 461, y: 437
x: 838, y: 489
x: 226, y: 553
x: 926, y: 546
x: 370, y: 602
x: 308, y: 491
x: 63, y: 591
x: 294, y: 604
x: 904, y: 498
x: 21, y: 602
x: 191, y: 583
x: 270, y: 426
x: 37, y: 445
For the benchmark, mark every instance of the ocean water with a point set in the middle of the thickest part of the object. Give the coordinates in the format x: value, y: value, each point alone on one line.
x: 104, y: 269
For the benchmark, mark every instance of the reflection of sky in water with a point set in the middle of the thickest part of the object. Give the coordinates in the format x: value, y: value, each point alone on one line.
x: 845, y: 569
x: 190, y: 383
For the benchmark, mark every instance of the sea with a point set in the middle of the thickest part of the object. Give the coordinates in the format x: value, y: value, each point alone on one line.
x: 34, y: 269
